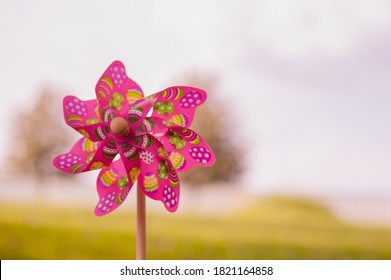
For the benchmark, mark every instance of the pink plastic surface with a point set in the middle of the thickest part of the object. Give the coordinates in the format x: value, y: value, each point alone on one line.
x: 159, y: 145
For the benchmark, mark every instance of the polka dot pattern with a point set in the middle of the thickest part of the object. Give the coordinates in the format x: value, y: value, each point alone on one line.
x: 76, y: 106
x: 200, y: 154
x: 146, y: 157
x: 68, y: 160
x: 191, y: 99
x: 118, y: 75
x: 169, y: 197
x: 164, y: 108
x: 116, y: 101
x: 106, y: 202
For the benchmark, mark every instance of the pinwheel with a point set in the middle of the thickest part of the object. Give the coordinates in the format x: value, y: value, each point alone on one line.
x: 132, y: 138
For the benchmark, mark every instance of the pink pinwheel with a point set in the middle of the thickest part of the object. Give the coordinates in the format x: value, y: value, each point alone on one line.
x: 151, y: 136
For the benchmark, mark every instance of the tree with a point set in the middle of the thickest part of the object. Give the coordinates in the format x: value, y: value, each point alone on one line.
x: 38, y: 134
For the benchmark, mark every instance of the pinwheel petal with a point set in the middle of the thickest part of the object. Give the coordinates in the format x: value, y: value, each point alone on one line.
x: 113, y: 187
x: 186, y: 149
x: 177, y: 105
x: 78, y: 158
x: 115, y: 90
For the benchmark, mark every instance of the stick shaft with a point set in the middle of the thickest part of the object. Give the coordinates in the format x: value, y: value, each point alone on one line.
x: 140, y: 233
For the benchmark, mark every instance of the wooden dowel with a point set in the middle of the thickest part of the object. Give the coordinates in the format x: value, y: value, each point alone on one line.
x: 141, y: 227
x: 120, y: 127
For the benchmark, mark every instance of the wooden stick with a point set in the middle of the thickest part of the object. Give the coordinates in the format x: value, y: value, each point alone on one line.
x: 120, y: 127
x: 140, y: 234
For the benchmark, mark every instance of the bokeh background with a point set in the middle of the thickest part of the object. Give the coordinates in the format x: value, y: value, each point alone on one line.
x: 298, y: 115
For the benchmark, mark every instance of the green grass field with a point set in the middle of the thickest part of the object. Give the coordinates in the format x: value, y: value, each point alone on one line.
x: 269, y: 228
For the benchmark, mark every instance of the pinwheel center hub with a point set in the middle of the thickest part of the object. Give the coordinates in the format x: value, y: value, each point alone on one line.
x: 119, y: 126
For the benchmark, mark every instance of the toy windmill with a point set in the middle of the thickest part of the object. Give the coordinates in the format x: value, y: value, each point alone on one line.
x: 150, y: 134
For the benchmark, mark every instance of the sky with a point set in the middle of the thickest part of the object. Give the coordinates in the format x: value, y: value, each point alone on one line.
x: 307, y: 82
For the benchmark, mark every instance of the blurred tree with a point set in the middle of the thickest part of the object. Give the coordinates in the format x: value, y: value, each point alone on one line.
x: 38, y: 134
x: 215, y: 122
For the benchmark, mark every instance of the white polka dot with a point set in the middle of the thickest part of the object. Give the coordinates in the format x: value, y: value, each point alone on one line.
x: 204, y: 161
x: 172, y: 201
x: 193, y: 154
x: 206, y: 155
x: 169, y: 196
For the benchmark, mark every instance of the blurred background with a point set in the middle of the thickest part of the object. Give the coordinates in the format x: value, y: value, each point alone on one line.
x: 298, y: 114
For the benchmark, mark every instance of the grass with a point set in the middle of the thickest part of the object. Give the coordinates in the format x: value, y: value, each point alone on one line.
x: 269, y: 228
